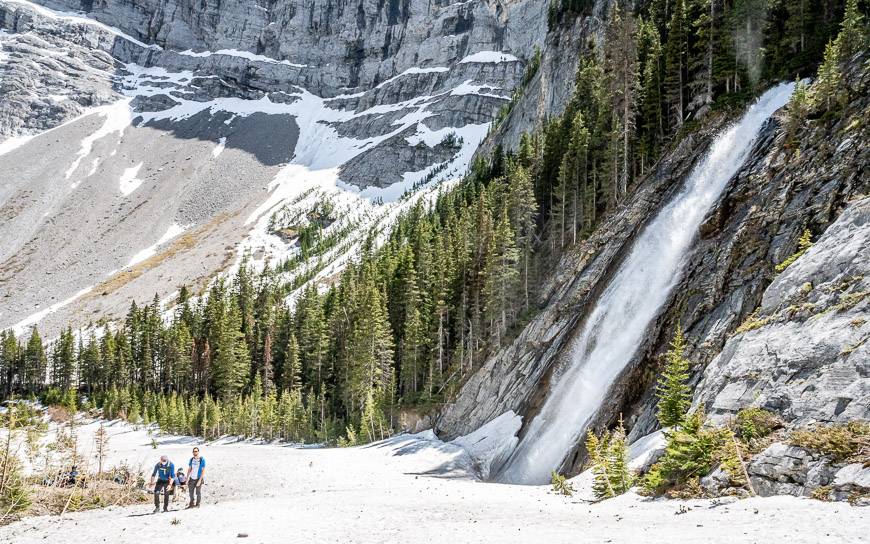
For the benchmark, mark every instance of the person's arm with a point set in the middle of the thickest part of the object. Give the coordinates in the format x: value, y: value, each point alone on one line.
x: 153, y: 475
x: 201, y: 472
x: 172, y: 476
x: 189, y: 469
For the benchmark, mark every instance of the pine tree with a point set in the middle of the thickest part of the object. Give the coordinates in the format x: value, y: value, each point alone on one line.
x: 621, y: 476
x: 853, y: 33
x: 672, y: 390
x: 798, y: 108
x: 652, y: 125
x: 608, y: 456
x: 523, y: 211
x: 602, y: 486
x: 64, y: 361
x: 232, y: 357
x: 622, y: 64
x: 501, y: 279
x: 676, y: 65
x: 828, y: 88
x: 35, y: 363
x: 292, y: 373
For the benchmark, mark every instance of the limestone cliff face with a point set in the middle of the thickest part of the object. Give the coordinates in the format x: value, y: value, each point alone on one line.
x: 336, y: 44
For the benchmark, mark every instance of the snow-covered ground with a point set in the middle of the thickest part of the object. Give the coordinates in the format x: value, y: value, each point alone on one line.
x: 412, y: 488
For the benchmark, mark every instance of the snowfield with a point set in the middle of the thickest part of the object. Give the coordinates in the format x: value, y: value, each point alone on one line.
x: 411, y: 488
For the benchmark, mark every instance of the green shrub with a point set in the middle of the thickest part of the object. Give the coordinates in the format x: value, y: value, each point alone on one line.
x: 692, y: 450
x: 752, y: 322
x: 755, y: 423
x: 804, y: 244
x: 843, y: 442
x: 561, y: 485
x: 608, y: 456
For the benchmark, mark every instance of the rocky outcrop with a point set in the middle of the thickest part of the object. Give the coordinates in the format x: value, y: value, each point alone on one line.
x: 782, y: 469
x: 329, y: 45
x: 807, y: 357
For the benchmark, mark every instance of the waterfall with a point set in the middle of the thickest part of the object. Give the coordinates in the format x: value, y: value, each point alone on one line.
x: 616, y: 326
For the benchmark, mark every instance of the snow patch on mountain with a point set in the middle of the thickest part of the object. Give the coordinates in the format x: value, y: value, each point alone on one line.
x: 130, y: 181
x: 240, y: 54
x: 173, y: 231
x: 218, y: 149
x: 22, y: 326
x: 489, y: 57
x: 117, y: 117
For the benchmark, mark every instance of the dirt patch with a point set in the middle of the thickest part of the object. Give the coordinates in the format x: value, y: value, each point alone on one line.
x: 185, y: 242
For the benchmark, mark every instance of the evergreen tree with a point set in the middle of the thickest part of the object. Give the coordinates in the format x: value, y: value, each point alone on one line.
x: 608, y: 456
x: 622, y: 64
x: 652, y: 125
x: 828, y: 88
x: 676, y: 65
x: 64, y: 361
x: 853, y: 32
x: 14, y: 491
x: 673, y: 392
x: 35, y: 363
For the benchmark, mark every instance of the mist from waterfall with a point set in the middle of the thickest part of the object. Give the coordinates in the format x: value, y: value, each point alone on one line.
x: 616, y: 326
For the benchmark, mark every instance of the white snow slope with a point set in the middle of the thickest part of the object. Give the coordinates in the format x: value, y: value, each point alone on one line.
x: 412, y: 488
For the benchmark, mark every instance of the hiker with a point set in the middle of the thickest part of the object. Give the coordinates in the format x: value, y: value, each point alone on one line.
x: 180, y: 484
x: 164, y: 471
x: 70, y: 479
x: 195, y: 475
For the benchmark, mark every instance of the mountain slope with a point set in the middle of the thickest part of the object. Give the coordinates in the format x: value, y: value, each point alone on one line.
x: 181, y: 148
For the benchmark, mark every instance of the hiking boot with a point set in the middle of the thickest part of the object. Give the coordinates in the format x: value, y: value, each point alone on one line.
x: 156, y: 509
x: 166, y: 509
x: 189, y: 506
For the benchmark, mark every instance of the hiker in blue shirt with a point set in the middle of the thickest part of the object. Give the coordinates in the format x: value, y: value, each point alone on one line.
x: 164, y: 472
x: 195, y: 475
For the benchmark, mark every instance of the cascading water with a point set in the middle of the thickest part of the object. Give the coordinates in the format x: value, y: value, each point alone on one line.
x: 634, y: 297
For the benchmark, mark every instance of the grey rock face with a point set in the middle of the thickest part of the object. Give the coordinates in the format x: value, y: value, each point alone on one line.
x: 782, y: 469
x: 32, y: 54
x: 335, y: 45
x: 808, y: 359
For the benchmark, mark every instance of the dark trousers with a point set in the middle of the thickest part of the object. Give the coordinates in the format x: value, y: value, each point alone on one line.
x: 162, y: 485
x: 194, y: 489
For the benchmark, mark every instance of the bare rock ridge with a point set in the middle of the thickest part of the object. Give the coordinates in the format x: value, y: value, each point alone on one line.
x: 805, y: 359
x: 181, y: 127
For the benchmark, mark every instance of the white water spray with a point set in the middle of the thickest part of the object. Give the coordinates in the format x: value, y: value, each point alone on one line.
x: 616, y: 326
